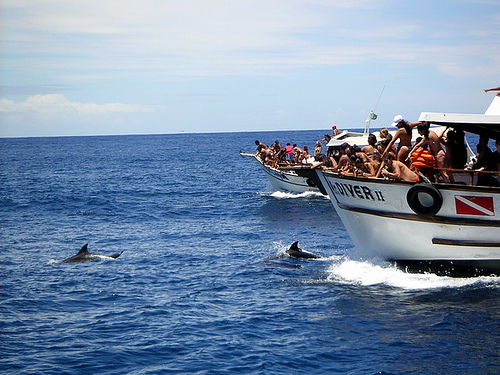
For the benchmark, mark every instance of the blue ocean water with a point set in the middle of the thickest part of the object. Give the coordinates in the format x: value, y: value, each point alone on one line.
x: 200, y: 287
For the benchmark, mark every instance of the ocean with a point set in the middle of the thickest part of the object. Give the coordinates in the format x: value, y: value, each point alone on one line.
x: 203, y: 285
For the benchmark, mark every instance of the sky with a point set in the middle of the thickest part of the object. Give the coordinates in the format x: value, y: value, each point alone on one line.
x: 99, y: 67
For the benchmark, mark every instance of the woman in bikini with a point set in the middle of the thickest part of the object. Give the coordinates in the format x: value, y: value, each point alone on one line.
x: 404, y: 135
x: 372, y: 153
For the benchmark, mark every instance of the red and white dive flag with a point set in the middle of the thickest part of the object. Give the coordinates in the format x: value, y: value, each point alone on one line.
x: 480, y: 206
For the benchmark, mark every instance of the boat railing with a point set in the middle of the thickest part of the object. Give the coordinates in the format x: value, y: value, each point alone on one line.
x: 459, y: 176
x: 470, y: 174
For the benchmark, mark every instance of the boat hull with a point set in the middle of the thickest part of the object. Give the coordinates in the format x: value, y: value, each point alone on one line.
x: 462, y: 268
x: 447, y: 229
x: 287, y: 180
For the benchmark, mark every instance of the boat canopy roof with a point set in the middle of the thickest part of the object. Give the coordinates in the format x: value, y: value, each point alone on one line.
x: 349, y: 137
x: 486, y: 125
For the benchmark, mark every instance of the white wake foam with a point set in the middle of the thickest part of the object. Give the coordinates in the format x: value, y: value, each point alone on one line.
x: 366, y: 273
x: 288, y: 195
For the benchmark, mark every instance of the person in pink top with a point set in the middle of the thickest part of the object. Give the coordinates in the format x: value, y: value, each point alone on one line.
x: 289, y: 152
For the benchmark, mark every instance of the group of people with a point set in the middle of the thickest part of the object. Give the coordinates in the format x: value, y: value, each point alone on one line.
x: 396, y: 157
x: 276, y: 155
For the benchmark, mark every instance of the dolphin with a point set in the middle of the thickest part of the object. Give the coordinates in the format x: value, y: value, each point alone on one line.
x: 85, y: 256
x: 295, y: 252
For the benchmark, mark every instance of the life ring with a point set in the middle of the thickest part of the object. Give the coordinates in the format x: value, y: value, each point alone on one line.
x: 424, y: 199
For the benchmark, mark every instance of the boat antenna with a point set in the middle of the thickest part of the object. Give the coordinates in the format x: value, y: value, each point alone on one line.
x: 372, y: 116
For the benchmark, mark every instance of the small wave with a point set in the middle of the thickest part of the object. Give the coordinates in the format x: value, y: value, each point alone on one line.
x: 105, y: 257
x: 287, y: 195
x: 368, y: 274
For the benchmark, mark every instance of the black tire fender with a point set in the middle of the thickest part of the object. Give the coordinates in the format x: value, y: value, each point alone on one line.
x: 310, y: 182
x: 424, y: 199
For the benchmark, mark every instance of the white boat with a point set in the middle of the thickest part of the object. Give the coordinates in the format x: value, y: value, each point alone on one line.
x: 300, y: 178
x: 285, y: 179
x: 448, y: 229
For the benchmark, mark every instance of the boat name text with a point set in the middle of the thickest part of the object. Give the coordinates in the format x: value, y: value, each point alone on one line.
x: 357, y: 191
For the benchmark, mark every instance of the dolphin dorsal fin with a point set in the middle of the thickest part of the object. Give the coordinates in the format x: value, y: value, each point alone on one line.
x: 295, y: 246
x: 83, y: 250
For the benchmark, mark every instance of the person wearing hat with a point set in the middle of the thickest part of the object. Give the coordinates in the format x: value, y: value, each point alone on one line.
x: 335, y: 130
x: 404, y: 135
x: 397, y: 119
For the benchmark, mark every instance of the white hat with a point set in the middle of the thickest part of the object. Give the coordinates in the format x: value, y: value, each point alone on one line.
x: 397, y: 120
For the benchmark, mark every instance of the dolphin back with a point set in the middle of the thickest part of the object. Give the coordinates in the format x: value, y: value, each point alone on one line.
x: 83, y: 250
x: 296, y: 252
x: 84, y: 255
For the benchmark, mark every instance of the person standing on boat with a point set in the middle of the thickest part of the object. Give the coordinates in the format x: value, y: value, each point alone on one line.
x: 433, y: 141
x: 327, y: 138
x: 483, y: 161
x: 278, y: 151
x: 276, y: 147
x: 456, y: 152
x: 289, y: 152
x: 385, y: 139
x: 297, y: 151
x: 318, y: 148
x: 404, y: 135
x: 304, y: 156
x: 491, y: 163
x: 260, y: 146
x: 385, y: 136
x: 495, y: 158
x: 335, y: 130
x: 372, y: 153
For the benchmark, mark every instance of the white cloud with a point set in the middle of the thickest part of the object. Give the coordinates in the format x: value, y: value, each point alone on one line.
x: 199, y: 38
x: 57, y: 103
x: 163, y: 51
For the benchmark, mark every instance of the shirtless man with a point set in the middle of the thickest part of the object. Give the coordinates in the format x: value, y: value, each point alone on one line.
x: 433, y: 141
x: 400, y: 171
x: 335, y: 130
x: 261, y: 147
